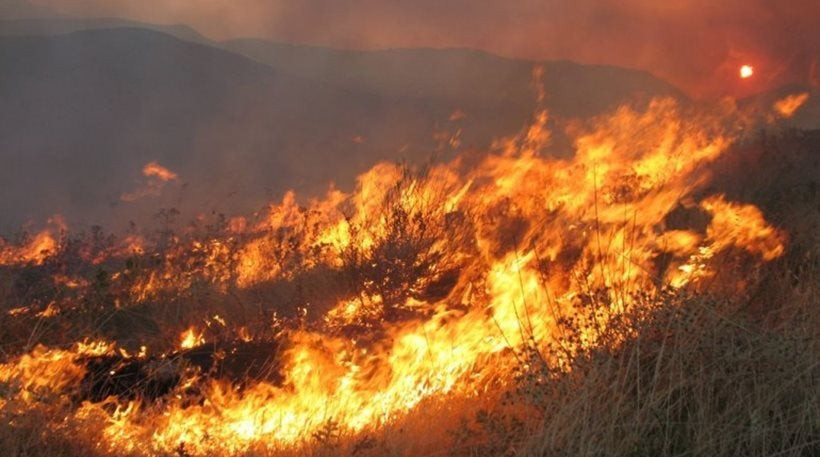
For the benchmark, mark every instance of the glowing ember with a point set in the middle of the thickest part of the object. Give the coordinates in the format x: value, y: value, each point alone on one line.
x: 746, y: 71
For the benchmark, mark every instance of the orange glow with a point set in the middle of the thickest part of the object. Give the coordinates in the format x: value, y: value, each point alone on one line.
x: 787, y: 106
x: 432, y: 285
x: 156, y: 170
x: 40, y: 247
x: 156, y: 178
x: 190, y: 338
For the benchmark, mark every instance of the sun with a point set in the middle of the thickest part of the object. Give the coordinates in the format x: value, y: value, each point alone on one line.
x: 746, y: 71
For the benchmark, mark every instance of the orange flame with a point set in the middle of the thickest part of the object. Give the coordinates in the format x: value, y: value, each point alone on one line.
x: 39, y: 248
x: 153, y: 169
x: 190, y: 338
x: 787, y: 106
x: 157, y: 178
x: 447, y: 279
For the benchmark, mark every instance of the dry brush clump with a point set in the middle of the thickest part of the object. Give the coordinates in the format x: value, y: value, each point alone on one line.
x: 696, y: 379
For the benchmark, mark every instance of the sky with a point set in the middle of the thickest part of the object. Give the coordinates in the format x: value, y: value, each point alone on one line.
x: 699, y: 45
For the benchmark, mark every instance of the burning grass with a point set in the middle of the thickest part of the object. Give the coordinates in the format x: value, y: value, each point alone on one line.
x: 634, y: 299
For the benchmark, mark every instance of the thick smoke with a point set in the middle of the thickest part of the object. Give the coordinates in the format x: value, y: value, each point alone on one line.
x: 696, y: 44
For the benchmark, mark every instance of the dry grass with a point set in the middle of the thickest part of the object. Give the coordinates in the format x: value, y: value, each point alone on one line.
x: 696, y: 381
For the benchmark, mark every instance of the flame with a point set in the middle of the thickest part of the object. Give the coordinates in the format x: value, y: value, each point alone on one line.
x: 40, y: 247
x: 746, y: 71
x: 787, y: 106
x: 51, y: 369
x: 742, y: 226
x: 153, y: 169
x: 190, y: 338
x: 156, y: 176
x: 441, y: 282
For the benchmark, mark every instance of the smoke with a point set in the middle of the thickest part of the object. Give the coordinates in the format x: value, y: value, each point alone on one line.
x: 17, y: 9
x: 696, y: 44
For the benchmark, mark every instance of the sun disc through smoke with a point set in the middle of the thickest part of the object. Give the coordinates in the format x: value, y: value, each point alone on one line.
x: 746, y: 71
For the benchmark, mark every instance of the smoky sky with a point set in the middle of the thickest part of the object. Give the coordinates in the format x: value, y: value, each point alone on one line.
x: 696, y: 44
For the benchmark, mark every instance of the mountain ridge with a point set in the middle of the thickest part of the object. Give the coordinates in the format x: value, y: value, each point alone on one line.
x: 85, y: 110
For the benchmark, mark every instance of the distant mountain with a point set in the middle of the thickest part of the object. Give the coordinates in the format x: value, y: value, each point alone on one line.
x: 461, y: 76
x: 62, y: 25
x: 82, y: 112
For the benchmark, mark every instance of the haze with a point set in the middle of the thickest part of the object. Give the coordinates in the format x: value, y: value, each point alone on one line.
x: 697, y: 45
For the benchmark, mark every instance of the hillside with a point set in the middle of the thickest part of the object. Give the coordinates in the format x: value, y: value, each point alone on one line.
x: 84, y: 111
x: 51, y: 26
x: 461, y: 76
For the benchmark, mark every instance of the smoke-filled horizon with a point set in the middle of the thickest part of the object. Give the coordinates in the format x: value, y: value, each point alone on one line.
x: 698, y: 45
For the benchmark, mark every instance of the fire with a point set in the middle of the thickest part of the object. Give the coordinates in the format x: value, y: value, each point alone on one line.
x: 36, y: 251
x: 787, y: 106
x: 742, y: 225
x: 40, y: 247
x: 156, y: 178
x: 153, y: 169
x: 190, y: 338
x: 746, y: 71
x: 430, y: 286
